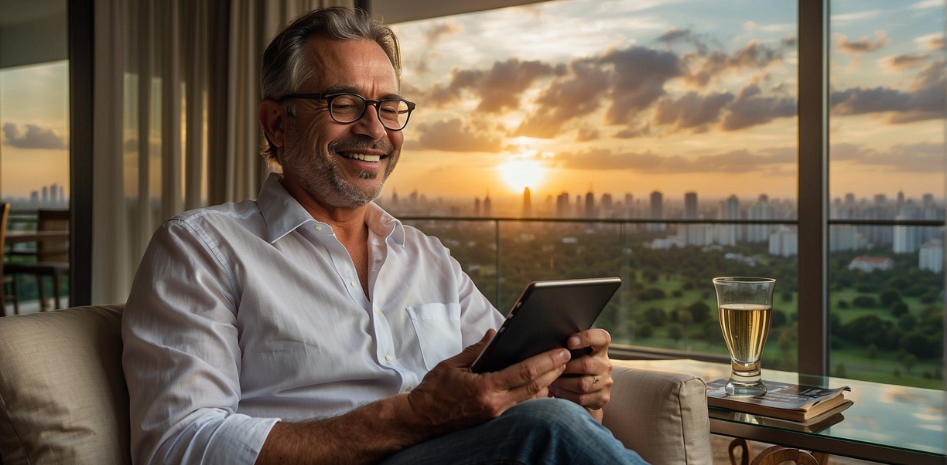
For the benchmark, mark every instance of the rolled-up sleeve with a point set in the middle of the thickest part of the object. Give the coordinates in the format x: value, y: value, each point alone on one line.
x: 182, y: 356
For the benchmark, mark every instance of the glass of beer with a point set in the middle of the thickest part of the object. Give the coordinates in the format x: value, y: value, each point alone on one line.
x: 745, y: 309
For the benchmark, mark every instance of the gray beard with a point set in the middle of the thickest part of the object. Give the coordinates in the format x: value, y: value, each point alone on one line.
x: 324, y: 179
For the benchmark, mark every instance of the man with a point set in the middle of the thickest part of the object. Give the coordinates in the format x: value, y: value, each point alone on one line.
x: 309, y: 326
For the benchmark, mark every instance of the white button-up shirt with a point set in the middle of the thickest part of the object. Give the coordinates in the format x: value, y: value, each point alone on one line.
x: 244, y: 314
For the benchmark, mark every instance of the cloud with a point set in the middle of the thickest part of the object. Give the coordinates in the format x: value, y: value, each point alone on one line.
x: 35, y: 137
x: 735, y: 161
x: 453, y: 136
x: 631, y: 131
x: 903, y: 62
x: 442, y: 29
x: 563, y: 101
x: 587, y: 134
x: 692, y: 111
x: 924, y: 99
x: 922, y: 157
x: 676, y: 36
x: 707, y: 68
x: 862, y: 45
x: 928, y: 4
x: 498, y: 88
x: 750, y: 109
x: 638, y: 80
x: 930, y: 42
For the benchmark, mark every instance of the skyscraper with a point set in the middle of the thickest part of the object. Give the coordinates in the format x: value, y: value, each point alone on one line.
x: 562, y: 205
x: 907, y: 239
x: 487, y: 207
x: 476, y: 206
x: 606, y: 206
x: 729, y: 234
x: 690, y: 206
x: 761, y: 210
x: 657, y: 212
x: 527, y: 204
x: 590, y: 205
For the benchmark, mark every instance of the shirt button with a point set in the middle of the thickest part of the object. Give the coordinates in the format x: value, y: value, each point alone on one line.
x: 318, y: 228
x: 377, y: 310
x: 352, y: 283
x: 407, y: 389
x: 388, y: 357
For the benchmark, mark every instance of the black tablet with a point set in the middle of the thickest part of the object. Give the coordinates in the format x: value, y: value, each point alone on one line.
x: 543, y: 318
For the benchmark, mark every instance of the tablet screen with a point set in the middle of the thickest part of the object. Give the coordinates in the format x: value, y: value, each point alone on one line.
x: 543, y: 318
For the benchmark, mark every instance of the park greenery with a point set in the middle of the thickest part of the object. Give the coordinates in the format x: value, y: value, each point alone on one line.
x: 885, y: 326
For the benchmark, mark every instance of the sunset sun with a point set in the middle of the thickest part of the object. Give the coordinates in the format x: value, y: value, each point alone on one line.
x: 522, y: 173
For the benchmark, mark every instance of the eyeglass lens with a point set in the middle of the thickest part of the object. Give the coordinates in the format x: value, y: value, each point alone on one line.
x: 348, y: 108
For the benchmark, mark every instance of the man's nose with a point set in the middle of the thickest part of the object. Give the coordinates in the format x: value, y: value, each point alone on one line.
x: 370, y: 123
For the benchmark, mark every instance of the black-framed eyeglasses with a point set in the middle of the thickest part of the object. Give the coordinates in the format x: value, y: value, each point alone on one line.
x: 347, y: 108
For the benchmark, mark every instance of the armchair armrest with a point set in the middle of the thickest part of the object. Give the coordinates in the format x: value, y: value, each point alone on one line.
x: 662, y: 416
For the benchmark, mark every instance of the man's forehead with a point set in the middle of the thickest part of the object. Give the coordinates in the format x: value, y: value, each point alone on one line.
x: 340, y: 62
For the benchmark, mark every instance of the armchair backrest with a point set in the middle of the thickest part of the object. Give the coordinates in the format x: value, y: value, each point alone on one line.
x: 62, y: 389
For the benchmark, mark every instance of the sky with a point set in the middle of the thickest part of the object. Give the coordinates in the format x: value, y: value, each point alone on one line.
x: 617, y: 97
x: 676, y: 96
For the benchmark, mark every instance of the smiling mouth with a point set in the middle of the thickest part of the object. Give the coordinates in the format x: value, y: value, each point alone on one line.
x: 362, y: 157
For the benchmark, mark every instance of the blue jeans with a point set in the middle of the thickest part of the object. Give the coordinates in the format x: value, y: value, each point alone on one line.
x: 541, y: 431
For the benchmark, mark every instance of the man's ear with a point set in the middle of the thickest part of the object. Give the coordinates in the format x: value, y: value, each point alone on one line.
x: 273, y: 119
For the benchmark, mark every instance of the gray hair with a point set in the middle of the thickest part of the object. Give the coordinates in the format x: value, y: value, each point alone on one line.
x: 285, y: 67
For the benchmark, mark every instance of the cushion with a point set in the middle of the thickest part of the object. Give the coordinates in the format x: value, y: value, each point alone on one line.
x: 661, y: 416
x: 62, y: 389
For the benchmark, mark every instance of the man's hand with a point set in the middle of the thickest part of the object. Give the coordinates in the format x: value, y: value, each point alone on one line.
x: 587, y: 380
x: 451, y: 397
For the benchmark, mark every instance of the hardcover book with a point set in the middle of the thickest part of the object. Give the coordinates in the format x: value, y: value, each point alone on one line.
x: 799, y: 403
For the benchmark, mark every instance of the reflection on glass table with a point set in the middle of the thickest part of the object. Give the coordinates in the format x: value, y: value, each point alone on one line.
x: 886, y: 423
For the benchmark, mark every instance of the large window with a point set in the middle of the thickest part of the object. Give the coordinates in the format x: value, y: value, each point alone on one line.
x: 886, y: 168
x: 34, y: 122
x: 658, y: 141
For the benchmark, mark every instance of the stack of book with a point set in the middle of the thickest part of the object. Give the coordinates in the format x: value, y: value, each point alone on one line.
x: 793, y: 406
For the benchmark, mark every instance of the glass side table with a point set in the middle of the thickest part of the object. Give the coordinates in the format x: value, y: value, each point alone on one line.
x: 887, y: 423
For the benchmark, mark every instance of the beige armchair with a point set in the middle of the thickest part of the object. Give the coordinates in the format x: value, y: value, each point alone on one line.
x: 63, y: 397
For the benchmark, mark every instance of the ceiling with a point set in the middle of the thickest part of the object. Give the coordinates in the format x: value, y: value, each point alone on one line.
x: 32, y: 32
x: 25, y: 11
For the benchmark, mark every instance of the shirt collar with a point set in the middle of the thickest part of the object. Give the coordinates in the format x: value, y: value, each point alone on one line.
x: 283, y: 214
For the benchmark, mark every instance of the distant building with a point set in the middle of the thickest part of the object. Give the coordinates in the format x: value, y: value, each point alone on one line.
x: 527, y: 204
x: 657, y: 211
x: 870, y: 264
x: 690, y: 206
x: 783, y: 242
x: 907, y: 239
x: 606, y: 206
x: 699, y: 234
x: 761, y: 210
x: 487, y: 207
x: 590, y: 205
x: 562, y: 205
x: 843, y: 238
x: 729, y: 234
x: 931, y: 256
x: 666, y: 243
x: 476, y: 206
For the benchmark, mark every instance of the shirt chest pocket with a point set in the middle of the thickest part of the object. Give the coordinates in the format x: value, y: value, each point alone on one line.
x: 438, y: 330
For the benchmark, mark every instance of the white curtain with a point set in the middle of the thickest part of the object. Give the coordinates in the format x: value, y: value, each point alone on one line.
x: 175, y: 117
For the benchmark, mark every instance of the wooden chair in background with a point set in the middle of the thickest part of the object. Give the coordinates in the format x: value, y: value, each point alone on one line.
x: 52, y: 257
